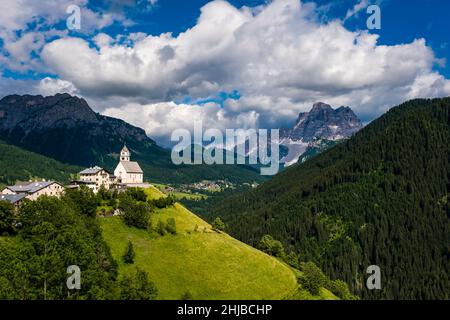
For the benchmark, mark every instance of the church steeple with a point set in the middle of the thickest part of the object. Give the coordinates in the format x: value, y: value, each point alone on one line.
x: 125, y: 154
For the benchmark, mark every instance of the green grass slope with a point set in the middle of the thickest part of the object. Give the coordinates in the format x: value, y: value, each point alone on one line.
x: 18, y: 164
x: 198, y: 260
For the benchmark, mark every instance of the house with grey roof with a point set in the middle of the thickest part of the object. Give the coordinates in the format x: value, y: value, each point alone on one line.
x: 96, y: 177
x: 127, y: 171
x: 14, y: 199
x: 34, y: 189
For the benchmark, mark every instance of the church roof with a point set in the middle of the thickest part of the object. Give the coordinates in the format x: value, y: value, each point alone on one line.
x: 131, y: 167
x: 125, y: 149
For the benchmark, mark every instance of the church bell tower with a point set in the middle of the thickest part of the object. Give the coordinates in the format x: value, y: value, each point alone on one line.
x: 125, y: 154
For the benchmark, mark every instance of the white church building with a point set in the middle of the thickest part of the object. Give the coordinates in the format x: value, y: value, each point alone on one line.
x: 127, y: 171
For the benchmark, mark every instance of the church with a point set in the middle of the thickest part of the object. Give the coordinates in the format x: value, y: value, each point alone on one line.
x: 127, y: 171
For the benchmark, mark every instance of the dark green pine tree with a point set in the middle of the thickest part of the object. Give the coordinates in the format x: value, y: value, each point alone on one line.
x: 129, y: 255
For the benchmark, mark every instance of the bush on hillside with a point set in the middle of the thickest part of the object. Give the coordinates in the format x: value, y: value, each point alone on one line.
x: 218, y: 225
x: 163, y: 202
x: 129, y: 254
x: 135, y: 214
x: 171, y: 226
x: 312, y: 278
x: 161, y: 228
x: 341, y: 290
x: 271, y: 246
x: 137, y: 194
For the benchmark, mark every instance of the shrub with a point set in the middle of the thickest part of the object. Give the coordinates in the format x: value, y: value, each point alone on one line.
x: 271, y: 246
x: 292, y: 259
x: 340, y: 289
x: 312, y: 278
x: 171, y: 226
x: 163, y: 202
x: 135, y: 214
x: 150, y: 224
x: 129, y: 254
x: 137, y: 194
x: 218, y: 225
x: 161, y: 228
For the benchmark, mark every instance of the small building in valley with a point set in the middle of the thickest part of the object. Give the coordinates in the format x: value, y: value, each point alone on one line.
x: 127, y: 171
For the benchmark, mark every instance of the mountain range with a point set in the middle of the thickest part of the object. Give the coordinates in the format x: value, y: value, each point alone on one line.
x: 65, y: 128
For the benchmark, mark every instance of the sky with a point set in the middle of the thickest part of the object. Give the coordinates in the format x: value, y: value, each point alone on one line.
x: 163, y: 64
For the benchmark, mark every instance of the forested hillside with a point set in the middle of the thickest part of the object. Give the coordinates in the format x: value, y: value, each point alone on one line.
x: 18, y: 164
x: 381, y: 198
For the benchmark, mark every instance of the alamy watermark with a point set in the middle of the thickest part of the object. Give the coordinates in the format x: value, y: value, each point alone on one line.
x: 74, y: 280
x: 73, y: 22
x: 237, y: 146
x: 374, y: 280
x: 374, y: 20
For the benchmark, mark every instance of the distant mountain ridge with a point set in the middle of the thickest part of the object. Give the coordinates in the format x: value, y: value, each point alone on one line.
x: 65, y: 128
x: 321, y: 123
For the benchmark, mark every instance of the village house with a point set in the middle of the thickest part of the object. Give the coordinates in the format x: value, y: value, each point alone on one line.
x: 128, y: 172
x: 96, y: 177
x: 32, y: 190
x: 14, y: 199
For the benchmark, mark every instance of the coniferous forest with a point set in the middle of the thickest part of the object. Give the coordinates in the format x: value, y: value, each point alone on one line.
x: 381, y: 198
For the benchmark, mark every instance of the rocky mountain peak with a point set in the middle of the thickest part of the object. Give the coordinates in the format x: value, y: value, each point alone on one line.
x: 324, y: 122
x: 321, y: 123
x: 320, y: 106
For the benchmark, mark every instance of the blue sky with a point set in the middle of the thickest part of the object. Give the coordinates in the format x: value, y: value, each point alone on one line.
x: 162, y: 64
